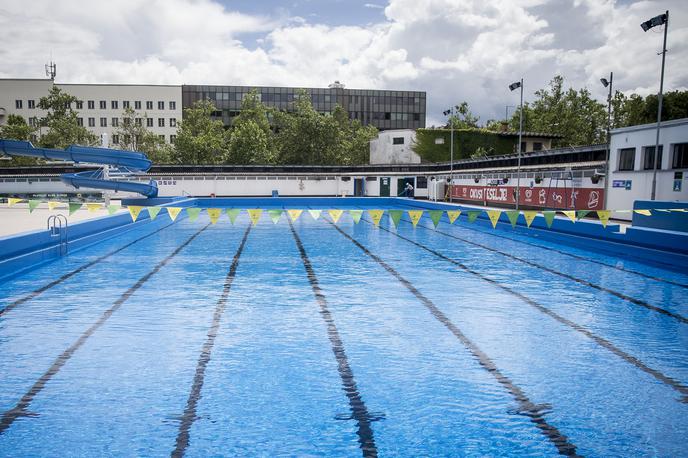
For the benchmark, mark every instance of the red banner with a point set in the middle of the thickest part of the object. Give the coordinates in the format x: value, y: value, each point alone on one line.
x: 540, y: 197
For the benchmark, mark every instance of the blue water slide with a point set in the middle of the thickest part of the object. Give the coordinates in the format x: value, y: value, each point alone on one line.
x: 130, y: 161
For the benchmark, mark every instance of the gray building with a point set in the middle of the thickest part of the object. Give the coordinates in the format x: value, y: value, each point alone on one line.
x: 383, y: 109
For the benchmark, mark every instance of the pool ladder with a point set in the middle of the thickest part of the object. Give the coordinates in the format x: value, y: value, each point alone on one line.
x: 57, y: 227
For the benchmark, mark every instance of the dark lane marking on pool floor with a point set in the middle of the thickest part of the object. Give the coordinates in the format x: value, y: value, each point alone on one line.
x: 189, y: 416
x: 359, y: 410
x: 526, y: 406
x: 68, y: 275
x: 581, y: 281
x: 672, y: 383
x: 21, y: 409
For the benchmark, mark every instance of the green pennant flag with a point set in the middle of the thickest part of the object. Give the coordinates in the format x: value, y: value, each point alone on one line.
x: 112, y: 209
x: 153, y: 212
x: 33, y: 204
x: 513, y: 216
x: 582, y: 213
x: 435, y: 216
x: 275, y: 215
x: 193, y: 213
x: 473, y: 215
x: 356, y: 215
x: 395, y: 216
x: 315, y: 213
x: 233, y: 213
x: 74, y: 206
x: 549, y: 217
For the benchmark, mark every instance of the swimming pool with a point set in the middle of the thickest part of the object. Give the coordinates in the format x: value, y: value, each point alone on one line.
x: 309, y: 338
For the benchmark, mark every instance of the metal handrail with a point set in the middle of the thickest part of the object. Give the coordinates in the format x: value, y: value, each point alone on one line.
x: 57, y: 226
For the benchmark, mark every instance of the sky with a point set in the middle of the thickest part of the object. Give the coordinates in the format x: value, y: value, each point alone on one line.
x: 455, y: 50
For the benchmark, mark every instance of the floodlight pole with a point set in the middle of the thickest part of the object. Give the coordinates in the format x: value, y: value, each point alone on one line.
x: 659, y: 110
x: 609, y: 125
x: 451, y: 156
x: 520, y: 132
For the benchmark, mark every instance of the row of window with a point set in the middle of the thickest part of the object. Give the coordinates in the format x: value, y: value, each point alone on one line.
x: 115, y: 122
x: 315, y: 98
x: 679, y: 159
x: 114, y: 104
x: 116, y: 139
x: 394, y: 116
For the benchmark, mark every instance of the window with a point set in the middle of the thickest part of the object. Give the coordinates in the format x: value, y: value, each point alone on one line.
x: 173, y: 138
x: 523, y: 146
x: 173, y: 105
x: 161, y: 105
x: 137, y: 105
x: 139, y: 121
x: 103, y: 105
x: 398, y: 140
x: 125, y: 104
x: 115, y: 122
x: 103, y: 122
x: 627, y: 159
x: 80, y: 122
x: 33, y: 121
x: 149, y: 122
x: 173, y: 122
x: 680, y: 159
x: 18, y: 104
x: 149, y: 105
x: 115, y: 139
x: 79, y: 104
x: 162, y: 137
x: 388, y: 115
x: 161, y: 122
x: 537, y: 146
x: 649, y: 157
x: 91, y: 104
x: 91, y: 122
x: 114, y: 104
x: 416, y: 116
x: 421, y: 182
x: 32, y: 104
x: 126, y: 121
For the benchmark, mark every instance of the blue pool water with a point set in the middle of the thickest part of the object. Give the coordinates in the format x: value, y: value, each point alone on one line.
x: 307, y: 339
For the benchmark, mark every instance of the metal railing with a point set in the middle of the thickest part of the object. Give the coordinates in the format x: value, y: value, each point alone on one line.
x: 57, y: 227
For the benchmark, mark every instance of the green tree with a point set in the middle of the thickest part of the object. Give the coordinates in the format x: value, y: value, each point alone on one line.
x: 134, y: 136
x: 463, y: 118
x: 17, y: 129
x: 61, y: 121
x: 201, y: 139
x: 251, y: 138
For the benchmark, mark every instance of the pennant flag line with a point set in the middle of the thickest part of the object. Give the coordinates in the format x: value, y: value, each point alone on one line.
x: 356, y: 215
x: 494, y: 216
x: 254, y: 215
x: 643, y: 212
x: 12, y: 200
x: 52, y: 205
x: 33, y: 204
x: 233, y: 213
x: 415, y: 216
x: 134, y: 211
x: 92, y: 208
x: 395, y: 216
x: 453, y: 215
x: 513, y: 216
x: 294, y: 214
x: 376, y: 216
x: 74, y: 206
x: 193, y: 213
x: 214, y: 214
x: 315, y: 214
x: 153, y: 212
x: 604, y: 215
x: 173, y: 212
x: 549, y: 217
x: 275, y: 215
x: 473, y: 215
x: 335, y: 215
x: 529, y: 215
x: 435, y: 216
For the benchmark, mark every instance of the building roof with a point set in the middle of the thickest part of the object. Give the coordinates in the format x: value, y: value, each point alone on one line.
x: 502, y: 133
x: 671, y: 123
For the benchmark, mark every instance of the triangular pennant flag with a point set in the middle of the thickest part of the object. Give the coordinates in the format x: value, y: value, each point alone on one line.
x: 153, y: 212
x: 529, y: 215
x: 315, y: 213
x: 275, y: 215
x: 254, y: 215
x: 435, y: 216
x: 453, y: 215
x: 214, y: 214
x: 604, y: 215
x: 74, y: 206
x: 682, y: 210
x: 513, y: 216
x: 415, y: 216
x: 473, y: 215
x: 233, y: 213
x: 173, y: 212
x: 52, y: 205
x: 643, y: 212
x: 571, y: 214
x: 335, y: 215
x: 376, y: 216
x: 33, y: 204
x: 582, y: 213
x: 395, y: 216
x: 356, y: 215
x: 294, y: 214
x: 134, y: 211
x: 193, y: 213
x: 494, y: 216
x: 13, y: 200
x: 549, y: 217
x: 93, y: 207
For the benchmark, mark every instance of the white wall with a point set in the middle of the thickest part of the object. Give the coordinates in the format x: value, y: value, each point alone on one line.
x: 25, y: 90
x: 384, y: 151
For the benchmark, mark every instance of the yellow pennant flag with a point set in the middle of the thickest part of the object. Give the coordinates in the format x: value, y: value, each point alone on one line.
x: 134, y: 211
x: 52, y: 205
x: 315, y: 213
x: 571, y: 214
x: 92, y: 208
x: 415, y: 216
x: 494, y: 216
x: 604, y: 215
x: 335, y: 214
x: 173, y: 212
x: 12, y: 200
x: 529, y: 216
x: 214, y: 214
x: 153, y: 212
x: 254, y: 214
x: 294, y: 214
x: 376, y: 216
x: 453, y: 215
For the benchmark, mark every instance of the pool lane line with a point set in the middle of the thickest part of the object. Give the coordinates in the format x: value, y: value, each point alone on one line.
x: 44, y: 288
x: 525, y: 406
x: 21, y: 409
x: 669, y: 381
x: 581, y: 281
x: 189, y: 416
x: 359, y: 410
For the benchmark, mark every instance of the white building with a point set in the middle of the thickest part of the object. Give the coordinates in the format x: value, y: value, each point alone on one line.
x: 394, y: 147
x: 101, y: 106
x: 631, y: 163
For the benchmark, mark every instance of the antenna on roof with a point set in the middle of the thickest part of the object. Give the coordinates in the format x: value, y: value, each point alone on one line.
x: 51, y: 70
x: 336, y: 85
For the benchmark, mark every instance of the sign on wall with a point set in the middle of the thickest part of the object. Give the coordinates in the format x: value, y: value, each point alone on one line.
x: 578, y: 199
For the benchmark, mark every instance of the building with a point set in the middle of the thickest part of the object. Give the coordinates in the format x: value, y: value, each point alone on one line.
x: 394, y: 147
x: 380, y: 108
x: 100, y: 106
x: 631, y: 162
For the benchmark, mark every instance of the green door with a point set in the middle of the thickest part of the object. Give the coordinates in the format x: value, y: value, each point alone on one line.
x: 384, y: 186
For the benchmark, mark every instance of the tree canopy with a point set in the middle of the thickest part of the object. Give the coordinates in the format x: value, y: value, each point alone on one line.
x: 61, y: 121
